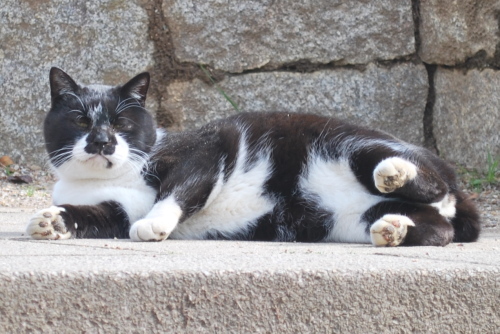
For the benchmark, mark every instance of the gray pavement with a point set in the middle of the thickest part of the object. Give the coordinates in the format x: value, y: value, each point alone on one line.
x: 117, y: 286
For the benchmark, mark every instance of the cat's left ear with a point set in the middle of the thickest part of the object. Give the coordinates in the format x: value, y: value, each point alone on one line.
x: 137, y: 87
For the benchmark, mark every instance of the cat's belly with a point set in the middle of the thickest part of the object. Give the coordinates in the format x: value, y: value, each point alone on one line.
x: 234, y: 206
x: 335, y: 186
x: 136, y: 199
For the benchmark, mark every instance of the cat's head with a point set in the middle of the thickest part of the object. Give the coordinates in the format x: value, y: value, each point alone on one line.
x: 98, y: 131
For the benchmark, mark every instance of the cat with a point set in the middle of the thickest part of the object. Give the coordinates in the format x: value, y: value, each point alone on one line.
x: 273, y: 176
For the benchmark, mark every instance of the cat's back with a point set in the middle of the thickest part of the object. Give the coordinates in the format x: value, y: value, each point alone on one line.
x: 286, y: 136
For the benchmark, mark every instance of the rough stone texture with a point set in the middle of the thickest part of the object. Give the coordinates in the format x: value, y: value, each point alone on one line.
x: 239, y: 35
x: 96, y: 41
x: 467, y: 115
x: 392, y: 99
x: 325, y: 301
x: 453, y: 31
x: 118, y: 286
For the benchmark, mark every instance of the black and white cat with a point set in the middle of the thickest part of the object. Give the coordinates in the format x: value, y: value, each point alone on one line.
x: 253, y: 176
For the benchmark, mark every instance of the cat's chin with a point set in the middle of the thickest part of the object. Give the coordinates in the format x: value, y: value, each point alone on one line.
x: 99, y: 162
x: 96, y: 167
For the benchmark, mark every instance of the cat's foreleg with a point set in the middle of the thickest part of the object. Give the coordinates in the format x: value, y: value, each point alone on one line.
x: 182, y: 195
x: 159, y: 222
x: 105, y: 220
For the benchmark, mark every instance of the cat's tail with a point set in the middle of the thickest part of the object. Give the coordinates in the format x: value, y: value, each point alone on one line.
x: 466, y: 223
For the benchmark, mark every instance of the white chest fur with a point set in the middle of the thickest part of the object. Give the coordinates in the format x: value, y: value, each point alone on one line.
x: 133, y: 194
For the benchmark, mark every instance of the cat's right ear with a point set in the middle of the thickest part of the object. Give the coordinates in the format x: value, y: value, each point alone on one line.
x: 137, y: 87
x: 61, y: 83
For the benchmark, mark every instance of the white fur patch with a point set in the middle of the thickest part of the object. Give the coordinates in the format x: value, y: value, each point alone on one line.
x: 338, y: 190
x: 446, y: 206
x: 95, y: 112
x: 83, y: 165
x: 235, y: 205
x: 86, y: 179
x: 158, y: 223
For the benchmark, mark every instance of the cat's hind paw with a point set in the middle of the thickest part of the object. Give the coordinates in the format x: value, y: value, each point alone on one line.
x: 390, y: 230
x: 48, y: 224
x: 149, y: 230
x: 393, y: 173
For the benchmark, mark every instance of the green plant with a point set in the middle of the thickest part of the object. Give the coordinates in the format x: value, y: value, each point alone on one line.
x: 479, y: 180
x: 7, y: 170
x: 30, y: 191
x: 235, y: 106
x: 493, y: 169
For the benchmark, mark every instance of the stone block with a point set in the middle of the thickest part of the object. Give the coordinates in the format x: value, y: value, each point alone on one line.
x: 389, y: 98
x: 467, y: 115
x: 240, y: 35
x: 97, y: 41
x: 453, y: 31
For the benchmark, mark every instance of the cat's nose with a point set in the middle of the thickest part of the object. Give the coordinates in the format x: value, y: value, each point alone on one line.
x: 101, y: 141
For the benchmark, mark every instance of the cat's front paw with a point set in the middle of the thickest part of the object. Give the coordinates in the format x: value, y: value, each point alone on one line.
x: 390, y: 230
x: 48, y: 224
x: 393, y: 173
x: 149, y: 230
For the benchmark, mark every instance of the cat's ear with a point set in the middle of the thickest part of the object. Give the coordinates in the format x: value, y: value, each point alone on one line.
x: 61, y: 83
x: 137, y: 87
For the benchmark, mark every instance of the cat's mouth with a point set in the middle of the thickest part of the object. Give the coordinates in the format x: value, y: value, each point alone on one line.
x: 99, y: 157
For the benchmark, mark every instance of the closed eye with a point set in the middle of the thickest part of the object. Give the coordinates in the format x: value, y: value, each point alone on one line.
x: 123, y: 124
x: 82, y: 122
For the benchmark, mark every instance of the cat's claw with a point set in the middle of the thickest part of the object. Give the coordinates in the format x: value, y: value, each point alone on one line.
x: 48, y: 224
x: 390, y: 230
x: 149, y: 230
x: 393, y: 173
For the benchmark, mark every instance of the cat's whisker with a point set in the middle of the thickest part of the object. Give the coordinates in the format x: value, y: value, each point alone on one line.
x: 78, y: 111
x: 120, y: 102
x: 123, y: 105
x: 75, y: 96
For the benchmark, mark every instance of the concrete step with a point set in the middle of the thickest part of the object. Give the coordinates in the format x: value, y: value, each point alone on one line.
x: 117, y: 286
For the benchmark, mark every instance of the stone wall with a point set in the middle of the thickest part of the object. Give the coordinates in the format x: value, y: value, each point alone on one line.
x: 426, y: 71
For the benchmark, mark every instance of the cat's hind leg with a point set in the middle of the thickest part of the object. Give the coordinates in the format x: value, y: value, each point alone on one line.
x: 390, y: 230
x: 466, y: 221
x: 395, y: 223
x: 402, y: 178
x: 399, y: 170
x: 393, y: 173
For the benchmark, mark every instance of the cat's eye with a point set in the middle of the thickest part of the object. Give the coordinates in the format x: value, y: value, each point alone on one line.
x: 122, y: 125
x: 83, y: 123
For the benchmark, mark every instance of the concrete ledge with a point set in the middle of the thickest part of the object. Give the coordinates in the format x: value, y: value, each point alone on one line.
x: 113, y: 286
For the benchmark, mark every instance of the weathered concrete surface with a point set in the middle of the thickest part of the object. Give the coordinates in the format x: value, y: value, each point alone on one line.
x: 239, y: 35
x: 389, y: 98
x: 96, y: 41
x: 467, y: 115
x: 115, y: 286
x: 453, y: 31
